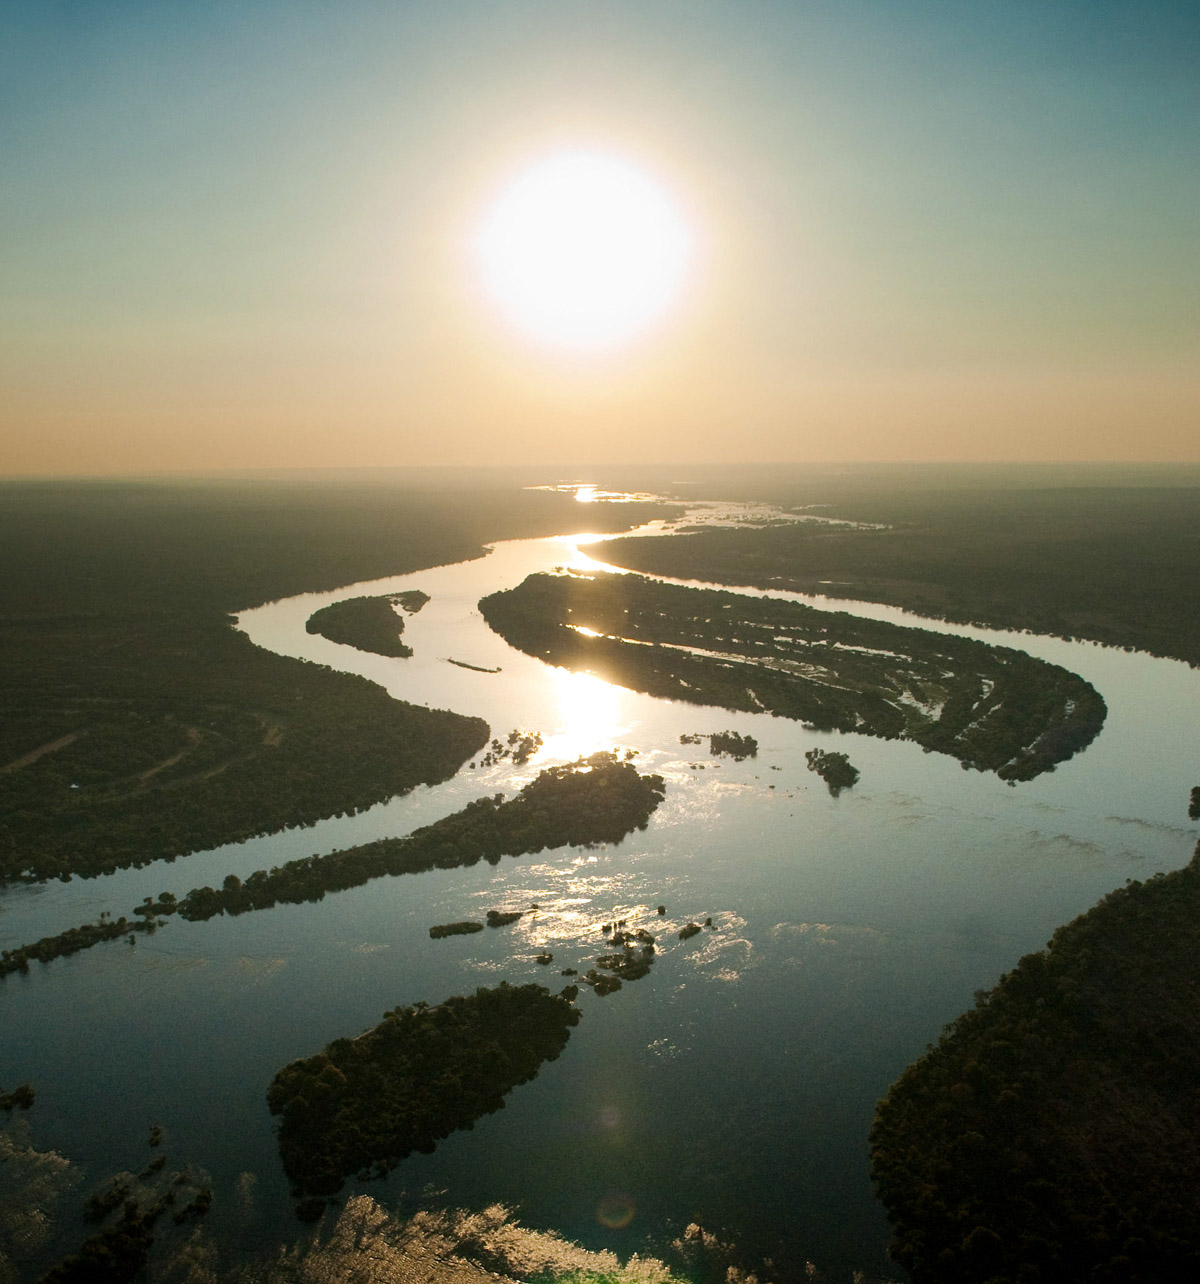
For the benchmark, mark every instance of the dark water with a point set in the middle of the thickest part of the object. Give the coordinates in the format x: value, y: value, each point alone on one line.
x: 735, y: 1084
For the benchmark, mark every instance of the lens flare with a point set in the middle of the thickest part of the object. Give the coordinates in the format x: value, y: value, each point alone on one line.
x: 616, y: 1210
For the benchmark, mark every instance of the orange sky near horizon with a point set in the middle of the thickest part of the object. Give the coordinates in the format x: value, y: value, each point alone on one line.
x: 238, y: 240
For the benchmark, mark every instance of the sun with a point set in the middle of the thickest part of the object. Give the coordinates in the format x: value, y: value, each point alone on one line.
x: 583, y: 251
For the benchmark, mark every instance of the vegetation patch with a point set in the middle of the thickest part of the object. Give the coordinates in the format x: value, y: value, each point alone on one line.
x: 366, y: 623
x: 993, y: 708
x: 1053, y: 1133
x: 362, y: 1105
x: 190, y: 736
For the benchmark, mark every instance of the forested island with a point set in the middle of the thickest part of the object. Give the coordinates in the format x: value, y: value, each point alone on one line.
x: 140, y: 725
x: 586, y: 803
x: 368, y: 623
x: 1053, y: 1133
x: 993, y: 708
x: 73, y: 940
x: 361, y: 1105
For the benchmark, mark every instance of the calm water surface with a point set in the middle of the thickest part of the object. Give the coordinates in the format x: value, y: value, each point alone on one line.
x: 735, y: 1084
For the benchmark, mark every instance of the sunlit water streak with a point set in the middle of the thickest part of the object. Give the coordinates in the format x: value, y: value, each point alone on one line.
x: 735, y: 1083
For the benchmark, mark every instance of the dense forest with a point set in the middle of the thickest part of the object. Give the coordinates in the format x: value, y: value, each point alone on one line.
x: 1111, y: 561
x: 368, y: 623
x: 993, y: 708
x: 361, y: 1105
x: 139, y: 724
x: 1053, y: 1133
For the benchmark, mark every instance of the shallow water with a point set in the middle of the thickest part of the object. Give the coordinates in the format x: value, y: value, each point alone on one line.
x: 735, y: 1084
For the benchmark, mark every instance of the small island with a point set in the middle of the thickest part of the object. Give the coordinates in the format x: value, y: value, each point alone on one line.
x: 729, y: 744
x: 463, y: 928
x: 502, y: 918
x: 368, y: 623
x: 724, y: 744
x: 362, y: 1105
x: 835, y: 769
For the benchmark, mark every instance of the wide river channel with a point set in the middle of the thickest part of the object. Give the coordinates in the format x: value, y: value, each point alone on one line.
x: 735, y: 1084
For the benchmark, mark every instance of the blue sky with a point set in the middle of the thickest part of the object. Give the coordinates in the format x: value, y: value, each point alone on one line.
x: 231, y: 235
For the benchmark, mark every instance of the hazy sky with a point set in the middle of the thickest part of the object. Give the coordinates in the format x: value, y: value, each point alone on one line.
x: 236, y: 235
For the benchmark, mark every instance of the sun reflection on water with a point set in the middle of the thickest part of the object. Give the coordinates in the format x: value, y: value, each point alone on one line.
x: 591, y: 716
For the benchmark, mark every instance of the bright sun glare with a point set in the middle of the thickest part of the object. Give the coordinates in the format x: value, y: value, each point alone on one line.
x: 590, y: 715
x: 583, y: 251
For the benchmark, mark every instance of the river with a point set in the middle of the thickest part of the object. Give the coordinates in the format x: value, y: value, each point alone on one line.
x: 735, y: 1084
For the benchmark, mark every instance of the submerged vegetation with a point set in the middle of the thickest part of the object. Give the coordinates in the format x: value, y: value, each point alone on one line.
x: 368, y: 623
x: 993, y: 708
x: 362, y: 1105
x: 1053, y: 1133
x: 520, y: 747
x: 137, y: 1221
x: 835, y: 769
